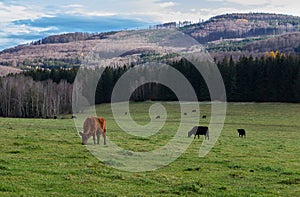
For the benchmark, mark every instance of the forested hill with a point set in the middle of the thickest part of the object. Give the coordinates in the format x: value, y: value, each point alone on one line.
x: 224, y: 35
x: 231, y: 26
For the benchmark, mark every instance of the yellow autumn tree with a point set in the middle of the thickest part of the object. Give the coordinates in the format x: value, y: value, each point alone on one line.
x: 266, y: 55
x: 272, y: 54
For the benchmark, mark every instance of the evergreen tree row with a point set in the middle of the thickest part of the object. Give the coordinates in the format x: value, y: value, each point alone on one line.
x: 274, y: 77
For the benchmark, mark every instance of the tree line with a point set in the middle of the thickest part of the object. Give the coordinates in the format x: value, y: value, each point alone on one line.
x: 274, y: 77
x: 21, y: 96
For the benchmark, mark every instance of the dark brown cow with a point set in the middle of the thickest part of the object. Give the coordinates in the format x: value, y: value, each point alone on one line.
x: 93, y: 126
x: 199, y: 130
x: 242, y: 132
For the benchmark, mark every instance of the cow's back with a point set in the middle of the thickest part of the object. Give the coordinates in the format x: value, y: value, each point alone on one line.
x: 202, y: 130
x: 89, y: 125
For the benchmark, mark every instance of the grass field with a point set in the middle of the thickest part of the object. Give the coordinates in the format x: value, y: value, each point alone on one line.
x: 45, y: 157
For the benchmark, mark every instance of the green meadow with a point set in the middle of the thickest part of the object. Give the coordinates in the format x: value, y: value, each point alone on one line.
x: 44, y: 157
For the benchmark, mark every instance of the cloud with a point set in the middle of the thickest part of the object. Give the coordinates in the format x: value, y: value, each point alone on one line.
x: 9, y: 13
x: 12, y: 34
x: 73, y: 6
x: 80, y: 10
x: 167, y: 4
x: 25, y: 29
x: 259, y: 4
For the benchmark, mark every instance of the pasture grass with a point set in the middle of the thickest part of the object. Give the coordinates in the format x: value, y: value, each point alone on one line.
x: 42, y: 157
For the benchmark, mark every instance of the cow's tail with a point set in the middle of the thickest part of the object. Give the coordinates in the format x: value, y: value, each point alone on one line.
x: 102, y: 122
x: 104, y: 125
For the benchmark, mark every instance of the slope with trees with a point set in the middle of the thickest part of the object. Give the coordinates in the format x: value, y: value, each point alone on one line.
x: 229, y: 32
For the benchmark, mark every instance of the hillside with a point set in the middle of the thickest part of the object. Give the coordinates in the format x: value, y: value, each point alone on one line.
x: 286, y: 43
x: 231, y: 26
x: 5, y: 70
x: 230, y: 34
x: 289, y: 43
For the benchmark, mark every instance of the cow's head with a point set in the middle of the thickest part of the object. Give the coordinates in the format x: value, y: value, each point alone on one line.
x: 84, y: 138
x: 192, y: 131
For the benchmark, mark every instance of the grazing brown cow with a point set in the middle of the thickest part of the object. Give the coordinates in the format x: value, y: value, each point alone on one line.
x: 93, y: 126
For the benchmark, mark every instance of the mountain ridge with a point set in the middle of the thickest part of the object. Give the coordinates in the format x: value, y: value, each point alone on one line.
x: 237, y: 33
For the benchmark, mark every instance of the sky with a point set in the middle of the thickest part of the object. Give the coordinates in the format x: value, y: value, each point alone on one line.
x: 22, y: 21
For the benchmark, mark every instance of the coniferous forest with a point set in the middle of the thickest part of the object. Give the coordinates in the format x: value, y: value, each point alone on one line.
x: 275, y: 77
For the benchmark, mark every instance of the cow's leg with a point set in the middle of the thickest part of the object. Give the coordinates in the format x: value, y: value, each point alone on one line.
x: 195, y: 136
x: 98, y: 133
x: 104, y: 137
x: 94, y: 138
x: 98, y: 138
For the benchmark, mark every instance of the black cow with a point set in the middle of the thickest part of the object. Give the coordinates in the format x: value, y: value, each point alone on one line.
x: 204, y: 116
x: 194, y: 110
x: 157, y: 117
x: 199, y: 130
x: 242, y: 132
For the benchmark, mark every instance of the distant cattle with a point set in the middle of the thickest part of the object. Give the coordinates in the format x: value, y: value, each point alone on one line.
x: 204, y: 116
x: 73, y: 117
x: 194, y: 110
x: 185, y: 114
x: 54, y: 117
x: 199, y: 130
x: 157, y: 117
x: 125, y: 113
x: 242, y: 132
x: 93, y: 126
